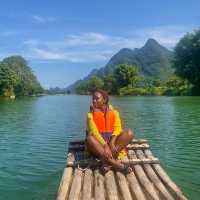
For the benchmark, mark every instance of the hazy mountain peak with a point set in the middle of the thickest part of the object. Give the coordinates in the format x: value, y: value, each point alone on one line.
x: 125, y: 50
x: 153, y: 60
x: 152, y: 43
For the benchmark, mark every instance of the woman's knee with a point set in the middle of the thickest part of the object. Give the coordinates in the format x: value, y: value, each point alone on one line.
x: 90, y: 139
x: 130, y: 134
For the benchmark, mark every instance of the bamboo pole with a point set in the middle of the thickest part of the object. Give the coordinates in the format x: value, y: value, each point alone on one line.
x: 147, y: 185
x: 111, y: 187
x: 135, y: 187
x: 123, y: 186
x: 97, y: 163
x: 87, y: 185
x: 99, y: 192
x: 76, y: 185
x: 154, y: 178
x: 166, y: 179
x: 134, y: 146
x: 65, y: 183
x: 138, y: 141
x: 137, y: 146
x: 136, y: 161
x: 134, y: 141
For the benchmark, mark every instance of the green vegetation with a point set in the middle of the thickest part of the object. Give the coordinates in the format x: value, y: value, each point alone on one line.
x: 187, y: 59
x: 146, y: 77
x: 125, y: 80
x: 86, y: 87
x: 153, y: 61
x: 17, y: 79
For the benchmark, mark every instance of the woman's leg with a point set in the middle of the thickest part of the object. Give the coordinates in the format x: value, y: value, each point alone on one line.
x: 94, y: 146
x: 124, y: 139
x: 97, y: 149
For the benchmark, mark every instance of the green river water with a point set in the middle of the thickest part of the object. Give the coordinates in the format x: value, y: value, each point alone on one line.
x: 34, y: 134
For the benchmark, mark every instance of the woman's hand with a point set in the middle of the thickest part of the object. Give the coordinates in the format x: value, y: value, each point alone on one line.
x: 107, y: 154
x: 114, y: 149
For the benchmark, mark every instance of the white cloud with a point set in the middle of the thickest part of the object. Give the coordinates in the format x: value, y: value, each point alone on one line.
x: 75, y: 56
x: 98, y: 39
x: 85, y: 39
x: 41, y: 19
x: 92, y: 46
x: 47, y: 55
x: 165, y: 35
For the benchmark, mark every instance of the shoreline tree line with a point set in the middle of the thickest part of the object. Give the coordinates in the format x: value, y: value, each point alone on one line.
x: 126, y: 79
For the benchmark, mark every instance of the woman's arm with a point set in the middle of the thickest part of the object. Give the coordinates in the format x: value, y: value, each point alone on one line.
x: 116, y: 132
x: 92, y: 129
x: 117, y: 125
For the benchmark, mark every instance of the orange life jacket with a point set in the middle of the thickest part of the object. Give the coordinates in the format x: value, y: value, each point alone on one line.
x: 104, y: 122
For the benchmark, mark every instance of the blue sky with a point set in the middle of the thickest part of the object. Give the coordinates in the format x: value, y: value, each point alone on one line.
x: 64, y: 40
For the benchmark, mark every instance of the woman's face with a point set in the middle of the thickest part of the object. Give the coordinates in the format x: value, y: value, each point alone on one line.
x: 98, y: 100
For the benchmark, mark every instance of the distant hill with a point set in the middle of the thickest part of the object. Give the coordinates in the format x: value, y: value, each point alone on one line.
x: 153, y: 60
x: 56, y: 90
x: 73, y: 86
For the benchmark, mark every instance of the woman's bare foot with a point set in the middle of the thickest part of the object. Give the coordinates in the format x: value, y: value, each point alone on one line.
x: 125, y: 168
x: 105, y: 168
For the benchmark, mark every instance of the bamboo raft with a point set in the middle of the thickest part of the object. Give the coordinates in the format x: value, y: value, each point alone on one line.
x: 82, y: 179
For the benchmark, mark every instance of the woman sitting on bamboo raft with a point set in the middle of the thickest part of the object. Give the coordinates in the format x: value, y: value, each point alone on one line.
x: 105, y: 137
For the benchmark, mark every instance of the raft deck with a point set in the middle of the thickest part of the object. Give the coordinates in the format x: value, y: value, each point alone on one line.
x: 82, y: 179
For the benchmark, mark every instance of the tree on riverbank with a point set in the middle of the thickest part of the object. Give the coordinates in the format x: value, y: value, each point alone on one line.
x: 8, y: 80
x: 16, y: 78
x: 123, y: 79
x: 187, y: 58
